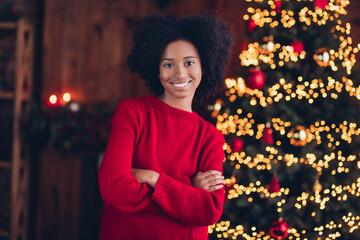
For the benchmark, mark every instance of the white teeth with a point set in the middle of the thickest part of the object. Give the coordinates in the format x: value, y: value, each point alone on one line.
x: 181, y: 85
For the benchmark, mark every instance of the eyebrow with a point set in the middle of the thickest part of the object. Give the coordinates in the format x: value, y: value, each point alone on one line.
x: 171, y: 59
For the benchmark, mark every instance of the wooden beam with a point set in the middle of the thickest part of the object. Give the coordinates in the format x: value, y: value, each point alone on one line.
x: 5, y: 164
x: 7, y: 25
x: 4, y: 233
x: 6, y: 95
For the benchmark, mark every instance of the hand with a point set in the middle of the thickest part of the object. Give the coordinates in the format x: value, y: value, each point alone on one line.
x: 149, y: 177
x: 210, y: 180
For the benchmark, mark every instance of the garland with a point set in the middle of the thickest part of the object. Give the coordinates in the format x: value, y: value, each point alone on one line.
x: 72, y: 127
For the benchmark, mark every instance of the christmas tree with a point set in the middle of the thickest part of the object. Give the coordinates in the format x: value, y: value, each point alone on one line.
x: 291, y: 125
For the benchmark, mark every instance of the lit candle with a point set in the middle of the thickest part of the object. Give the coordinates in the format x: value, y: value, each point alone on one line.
x: 52, y: 101
x: 67, y: 97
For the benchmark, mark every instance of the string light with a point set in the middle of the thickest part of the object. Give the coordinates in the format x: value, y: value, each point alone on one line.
x: 345, y: 53
x: 309, y: 90
x: 268, y: 51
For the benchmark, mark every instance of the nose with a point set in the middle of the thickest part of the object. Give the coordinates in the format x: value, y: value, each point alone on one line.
x: 180, y: 71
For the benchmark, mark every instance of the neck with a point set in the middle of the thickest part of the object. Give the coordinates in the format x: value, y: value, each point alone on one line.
x: 183, y: 103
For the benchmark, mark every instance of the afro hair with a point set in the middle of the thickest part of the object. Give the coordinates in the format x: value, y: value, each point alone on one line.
x: 209, y: 35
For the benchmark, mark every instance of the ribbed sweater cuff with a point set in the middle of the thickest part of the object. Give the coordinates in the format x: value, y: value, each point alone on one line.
x: 162, y: 188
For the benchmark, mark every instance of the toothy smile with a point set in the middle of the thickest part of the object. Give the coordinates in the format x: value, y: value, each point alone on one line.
x: 181, y: 85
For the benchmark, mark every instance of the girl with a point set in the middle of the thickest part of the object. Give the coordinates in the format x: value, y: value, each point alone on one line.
x: 161, y: 176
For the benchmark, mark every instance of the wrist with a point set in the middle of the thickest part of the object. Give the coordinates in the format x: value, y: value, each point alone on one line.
x: 153, y: 179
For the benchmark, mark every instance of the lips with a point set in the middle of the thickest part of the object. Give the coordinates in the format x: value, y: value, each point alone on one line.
x: 181, y: 85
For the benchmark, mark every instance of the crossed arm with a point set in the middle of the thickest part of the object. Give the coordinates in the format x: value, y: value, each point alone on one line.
x: 133, y: 190
x: 211, y: 180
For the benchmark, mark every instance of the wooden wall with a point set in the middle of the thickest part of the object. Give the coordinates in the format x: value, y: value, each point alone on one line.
x: 86, y: 43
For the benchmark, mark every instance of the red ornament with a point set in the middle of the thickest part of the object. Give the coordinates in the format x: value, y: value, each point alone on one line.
x: 228, y: 187
x: 278, y: 6
x: 279, y: 229
x: 298, y: 47
x: 244, y: 46
x: 251, y: 25
x: 255, y: 79
x: 321, y: 3
x: 274, y: 185
x: 237, y: 145
x: 267, y: 137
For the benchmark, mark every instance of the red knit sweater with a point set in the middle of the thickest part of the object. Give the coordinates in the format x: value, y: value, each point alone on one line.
x: 149, y: 134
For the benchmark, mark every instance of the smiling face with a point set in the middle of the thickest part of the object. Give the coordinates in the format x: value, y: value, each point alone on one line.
x: 180, y: 71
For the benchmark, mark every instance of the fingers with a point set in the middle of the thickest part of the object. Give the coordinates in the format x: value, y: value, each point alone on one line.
x: 211, y: 180
x: 211, y: 173
x: 216, y: 180
x: 214, y: 188
x: 215, y: 183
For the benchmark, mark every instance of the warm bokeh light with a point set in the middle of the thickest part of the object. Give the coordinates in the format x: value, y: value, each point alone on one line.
x: 266, y: 51
x: 67, y: 97
x: 53, y: 99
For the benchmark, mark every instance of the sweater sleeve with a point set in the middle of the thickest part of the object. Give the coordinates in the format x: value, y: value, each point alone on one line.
x: 194, y: 206
x: 118, y: 187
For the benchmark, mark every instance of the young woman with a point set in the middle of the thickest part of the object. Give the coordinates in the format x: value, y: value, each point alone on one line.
x: 161, y: 176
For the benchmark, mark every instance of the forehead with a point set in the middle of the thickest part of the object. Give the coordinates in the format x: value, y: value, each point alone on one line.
x: 180, y: 49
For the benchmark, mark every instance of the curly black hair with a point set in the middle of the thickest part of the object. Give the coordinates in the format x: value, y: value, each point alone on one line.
x: 208, y: 34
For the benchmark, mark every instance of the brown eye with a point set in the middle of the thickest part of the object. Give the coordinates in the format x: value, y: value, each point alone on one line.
x: 168, y: 65
x: 189, y: 63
